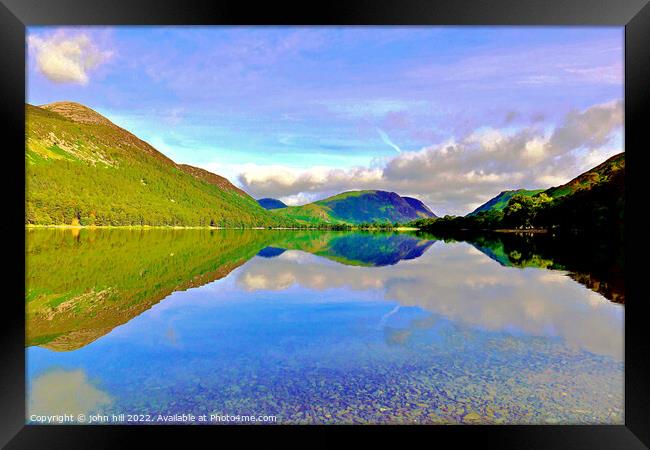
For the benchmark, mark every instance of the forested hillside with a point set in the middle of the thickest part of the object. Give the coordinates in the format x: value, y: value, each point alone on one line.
x: 592, y: 203
x: 82, y: 169
x: 499, y: 202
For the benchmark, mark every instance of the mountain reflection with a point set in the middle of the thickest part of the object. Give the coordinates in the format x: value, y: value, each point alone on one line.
x: 270, y: 252
x: 597, y: 265
x: 358, y: 249
x: 82, y: 285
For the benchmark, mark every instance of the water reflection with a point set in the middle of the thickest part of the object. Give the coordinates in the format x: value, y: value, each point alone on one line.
x: 598, y: 265
x: 65, y: 391
x: 352, y: 248
x: 462, y: 284
x: 317, y: 327
x: 81, y: 285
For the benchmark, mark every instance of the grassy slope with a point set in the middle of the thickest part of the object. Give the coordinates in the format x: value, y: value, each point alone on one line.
x: 499, y: 202
x: 588, y: 180
x: 600, y: 174
x: 310, y: 214
x: 422, y: 209
x: 83, y: 168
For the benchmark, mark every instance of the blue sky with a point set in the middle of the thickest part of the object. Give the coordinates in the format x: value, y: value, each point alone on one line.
x: 451, y: 115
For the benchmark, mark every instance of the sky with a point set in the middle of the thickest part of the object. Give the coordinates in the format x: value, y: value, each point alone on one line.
x: 449, y: 115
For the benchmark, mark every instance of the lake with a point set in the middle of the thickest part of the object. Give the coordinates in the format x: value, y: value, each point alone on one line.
x: 145, y: 326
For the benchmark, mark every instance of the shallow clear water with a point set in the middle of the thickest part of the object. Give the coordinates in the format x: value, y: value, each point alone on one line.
x: 311, y: 327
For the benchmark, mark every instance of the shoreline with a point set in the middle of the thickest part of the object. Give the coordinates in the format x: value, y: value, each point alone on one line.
x: 169, y: 227
x: 515, y: 230
x: 352, y: 228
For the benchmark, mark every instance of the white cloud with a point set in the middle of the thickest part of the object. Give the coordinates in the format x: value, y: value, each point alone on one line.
x: 590, y: 128
x: 300, y: 198
x: 281, y: 181
x: 64, y: 58
x: 457, y: 175
x: 535, y: 150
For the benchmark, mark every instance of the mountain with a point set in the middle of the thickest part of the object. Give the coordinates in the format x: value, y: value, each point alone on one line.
x: 271, y: 203
x: 591, y: 205
x: 83, y: 169
x: 600, y: 174
x: 499, y: 202
x: 419, y: 207
x: 609, y: 171
x: 211, y: 178
x: 356, y: 207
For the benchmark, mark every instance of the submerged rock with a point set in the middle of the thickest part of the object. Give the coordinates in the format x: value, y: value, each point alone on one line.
x: 472, y: 417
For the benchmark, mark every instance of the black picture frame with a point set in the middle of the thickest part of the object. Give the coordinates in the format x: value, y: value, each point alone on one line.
x: 634, y: 15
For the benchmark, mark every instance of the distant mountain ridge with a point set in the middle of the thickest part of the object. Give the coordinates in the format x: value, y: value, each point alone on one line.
x: 271, y: 203
x: 79, y: 113
x: 419, y: 206
x: 357, y: 207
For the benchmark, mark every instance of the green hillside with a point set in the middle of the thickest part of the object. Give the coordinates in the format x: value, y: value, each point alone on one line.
x: 591, y: 204
x: 357, y: 207
x: 596, y: 176
x: 603, y: 173
x: 499, y: 202
x: 82, y: 169
x: 420, y: 208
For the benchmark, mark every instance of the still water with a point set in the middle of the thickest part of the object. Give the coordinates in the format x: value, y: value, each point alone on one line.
x: 313, y: 327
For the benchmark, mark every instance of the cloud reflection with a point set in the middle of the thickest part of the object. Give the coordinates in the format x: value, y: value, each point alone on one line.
x: 65, y: 392
x: 463, y: 285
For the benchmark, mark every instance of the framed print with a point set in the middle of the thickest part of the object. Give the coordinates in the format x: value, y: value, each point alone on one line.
x: 378, y: 218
